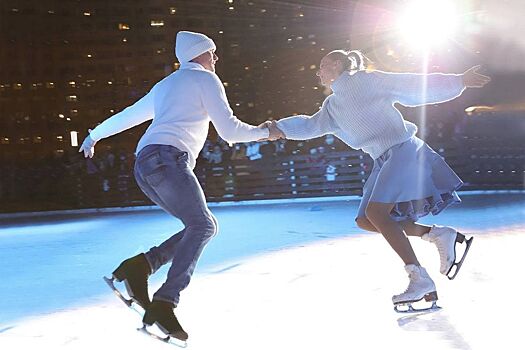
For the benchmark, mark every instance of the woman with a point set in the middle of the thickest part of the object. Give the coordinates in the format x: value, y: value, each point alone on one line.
x: 408, y: 180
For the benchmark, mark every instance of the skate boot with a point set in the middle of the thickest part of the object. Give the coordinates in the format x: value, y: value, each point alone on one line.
x: 160, y: 313
x: 445, y: 238
x: 134, y: 272
x: 420, y: 287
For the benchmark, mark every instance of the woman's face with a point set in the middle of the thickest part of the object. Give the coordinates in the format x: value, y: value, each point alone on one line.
x: 329, y: 70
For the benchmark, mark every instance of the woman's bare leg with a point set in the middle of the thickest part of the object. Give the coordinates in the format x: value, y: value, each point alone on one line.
x: 411, y: 228
x: 379, y: 215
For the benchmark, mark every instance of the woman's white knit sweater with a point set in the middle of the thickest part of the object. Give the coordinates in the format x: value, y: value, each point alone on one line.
x: 361, y: 111
x: 182, y: 106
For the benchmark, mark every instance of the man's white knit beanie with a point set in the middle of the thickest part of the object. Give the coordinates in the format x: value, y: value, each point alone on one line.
x: 189, y: 45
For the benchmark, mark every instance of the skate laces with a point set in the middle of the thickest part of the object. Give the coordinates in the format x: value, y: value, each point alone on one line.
x: 412, y: 277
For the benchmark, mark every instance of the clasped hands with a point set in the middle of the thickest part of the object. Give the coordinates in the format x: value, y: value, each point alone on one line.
x: 275, y: 132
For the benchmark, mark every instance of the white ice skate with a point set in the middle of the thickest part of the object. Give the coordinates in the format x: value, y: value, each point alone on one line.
x: 420, y: 287
x: 445, y: 238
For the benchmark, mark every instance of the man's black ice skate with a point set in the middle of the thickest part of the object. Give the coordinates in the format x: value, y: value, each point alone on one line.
x: 160, y: 313
x: 134, y: 272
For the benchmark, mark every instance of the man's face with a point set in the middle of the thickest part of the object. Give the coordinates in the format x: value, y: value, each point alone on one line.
x: 207, y: 60
x: 329, y: 70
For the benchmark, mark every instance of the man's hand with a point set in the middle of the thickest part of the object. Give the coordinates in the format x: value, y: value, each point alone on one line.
x: 88, y: 146
x: 473, y: 79
x: 275, y: 132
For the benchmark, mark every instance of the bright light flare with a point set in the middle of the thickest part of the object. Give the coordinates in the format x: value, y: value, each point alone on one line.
x: 427, y: 23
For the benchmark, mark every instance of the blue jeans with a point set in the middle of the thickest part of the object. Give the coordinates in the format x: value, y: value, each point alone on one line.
x: 164, y: 175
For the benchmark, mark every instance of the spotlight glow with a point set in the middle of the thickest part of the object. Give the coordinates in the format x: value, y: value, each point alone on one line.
x: 427, y: 23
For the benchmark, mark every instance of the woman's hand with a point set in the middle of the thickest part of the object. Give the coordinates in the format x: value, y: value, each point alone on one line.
x: 473, y: 79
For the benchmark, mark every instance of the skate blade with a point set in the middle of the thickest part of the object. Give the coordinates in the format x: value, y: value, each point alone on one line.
x: 129, y: 302
x: 407, y: 306
x: 165, y: 338
x: 454, y: 269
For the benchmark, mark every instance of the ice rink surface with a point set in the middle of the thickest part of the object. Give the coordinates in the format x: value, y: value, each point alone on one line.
x: 278, y: 276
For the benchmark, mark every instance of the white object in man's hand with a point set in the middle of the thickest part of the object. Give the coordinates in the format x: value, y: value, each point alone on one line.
x: 88, y: 146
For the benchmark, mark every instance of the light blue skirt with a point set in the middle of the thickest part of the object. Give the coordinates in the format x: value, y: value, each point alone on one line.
x: 415, y: 178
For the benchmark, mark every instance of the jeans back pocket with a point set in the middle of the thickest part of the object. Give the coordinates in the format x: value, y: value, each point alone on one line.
x: 151, y: 168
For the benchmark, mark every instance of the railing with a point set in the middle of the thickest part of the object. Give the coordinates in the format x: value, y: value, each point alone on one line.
x: 483, y: 164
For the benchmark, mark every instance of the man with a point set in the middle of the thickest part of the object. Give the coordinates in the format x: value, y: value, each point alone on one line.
x: 181, y: 106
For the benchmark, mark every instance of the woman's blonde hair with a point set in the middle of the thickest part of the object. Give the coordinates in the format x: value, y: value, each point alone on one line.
x: 352, y: 60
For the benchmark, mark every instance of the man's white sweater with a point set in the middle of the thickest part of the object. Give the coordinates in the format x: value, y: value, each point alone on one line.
x: 181, y: 106
x: 361, y: 110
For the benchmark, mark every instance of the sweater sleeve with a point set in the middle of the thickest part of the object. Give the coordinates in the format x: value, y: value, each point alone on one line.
x: 136, y: 114
x: 304, y: 127
x: 411, y: 89
x: 229, y: 127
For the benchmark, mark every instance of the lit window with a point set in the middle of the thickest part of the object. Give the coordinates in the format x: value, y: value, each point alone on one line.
x: 123, y: 26
x: 230, y: 1
x: 17, y: 86
x: 72, y: 84
x: 60, y: 138
x: 71, y: 98
x: 37, y: 139
x: 221, y: 32
x: 61, y: 116
x: 176, y: 65
x: 173, y: 10
x: 263, y: 10
x: 225, y: 84
x: 87, y: 13
x: 15, y: 10
x: 110, y: 83
x: 51, y: 12
x: 89, y: 55
x: 4, y: 140
x: 157, y: 23
x: 33, y: 86
x: 313, y: 66
x: 73, y: 111
x: 50, y: 85
x: 124, y: 40
x: 231, y: 8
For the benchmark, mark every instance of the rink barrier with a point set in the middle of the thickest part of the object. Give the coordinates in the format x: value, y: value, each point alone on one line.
x: 482, y: 163
x: 256, y: 202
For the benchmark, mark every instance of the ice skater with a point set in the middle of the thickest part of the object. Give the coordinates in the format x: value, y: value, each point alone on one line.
x: 408, y: 180
x: 181, y: 107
